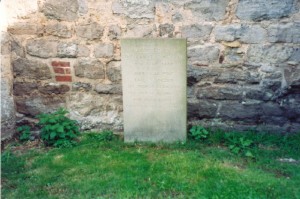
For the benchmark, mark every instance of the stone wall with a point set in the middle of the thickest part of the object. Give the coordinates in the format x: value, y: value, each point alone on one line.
x: 243, y: 59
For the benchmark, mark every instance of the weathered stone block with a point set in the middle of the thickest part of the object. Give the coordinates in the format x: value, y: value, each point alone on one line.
x: 259, y: 94
x: 295, y: 57
x: 24, y: 88
x: 67, y: 50
x: 140, y: 31
x: 166, y: 30
x: 65, y: 10
x: 5, y: 44
x: 272, y: 109
x: 246, y: 113
x: 42, y: 48
x: 196, y: 31
x: 113, y: 71
x: 134, y: 9
x: 285, y: 33
x: 108, y: 88
x: 232, y: 76
x: 114, y: 32
x: 8, y: 119
x: 90, y: 31
x: 208, y: 10
x: 23, y: 28
x: 245, y: 33
x: 252, y: 34
x: 226, y: 32
x: 83, y: 51
x: 258, y: 10
x: 17, y: 48
x: 59, y: 30
x: 31, y: 69
x: 94, y: 111
x: 233, y: 55
x: 291, y: 106
x: 177, y: 17
x: 104, y: 50
x: 37, y: 104
x: 77, y: 86
x: 196, y: 74
x: 292, y: 77
x: 203, y: 54
x: 219, y: 93
x: 83, y: 7
x: 202, y: 109
x: 53, y: 88
x: 89, y: 68
x: 269, y: 53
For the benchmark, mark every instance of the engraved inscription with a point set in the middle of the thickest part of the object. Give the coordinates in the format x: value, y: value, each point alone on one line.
x: 154, y: 89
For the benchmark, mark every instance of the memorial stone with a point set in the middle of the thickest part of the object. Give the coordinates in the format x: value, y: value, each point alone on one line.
x: 154, y: 89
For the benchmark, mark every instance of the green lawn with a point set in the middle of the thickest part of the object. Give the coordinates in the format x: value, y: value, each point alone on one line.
x: 113, y: 169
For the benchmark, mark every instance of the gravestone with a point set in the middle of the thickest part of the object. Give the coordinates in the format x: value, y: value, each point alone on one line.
x: 154, y: 89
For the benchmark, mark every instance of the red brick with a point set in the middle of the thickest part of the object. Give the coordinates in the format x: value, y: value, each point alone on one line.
x: 63, y: 78
x: 68, y: 70
x: 64, y: 64
x: 60, y: 63
x: 55, y: 63
x: 59, y: 70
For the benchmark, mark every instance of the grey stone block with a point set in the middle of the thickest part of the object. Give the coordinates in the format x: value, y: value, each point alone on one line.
x: 257, y: 10
x: 59, y: 30
x: 42, y: 48
x: 31, y: 69
x: 65, y: 10
x: 270, y: 54
x: 219, y: 93
x: 77, y: 86
x: 108, y: 88
x: 284, y: 33
x: 245, y: 33
x: 104, y: 50
x: 67, y: 50
x: 113, y: 71
x: 134, y: 9
x: 166, y: 29
x: 207, y: 9
x: 90, y: 31
x: 114, y: 32
x: 196, y: 31
x: 8, y: 112
x: 83, y: 51
x: 89, y: 68
x: 203, y: 54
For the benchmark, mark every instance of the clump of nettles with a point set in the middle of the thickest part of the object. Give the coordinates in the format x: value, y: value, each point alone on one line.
x: 57, y: 129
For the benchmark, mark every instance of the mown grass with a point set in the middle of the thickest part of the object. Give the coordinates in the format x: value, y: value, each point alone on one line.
x: 196, y: 169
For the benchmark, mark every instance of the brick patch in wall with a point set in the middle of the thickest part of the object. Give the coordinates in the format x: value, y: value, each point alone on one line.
x: 63, y: 78
x: 61, y: 68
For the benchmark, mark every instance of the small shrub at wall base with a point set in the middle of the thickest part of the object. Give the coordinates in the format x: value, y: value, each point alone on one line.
x: 103, y: 136
x: 199, y: 133
x: 239, y: 144
x: 57, y: 129
x: 25, y: 132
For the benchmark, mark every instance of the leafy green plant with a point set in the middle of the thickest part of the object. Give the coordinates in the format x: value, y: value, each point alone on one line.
x: 239, y: 144
x: 5, y: 156
x: 199, y: 133
x: 103, y: 136
x: 57, y: 129
x: 25, y: 132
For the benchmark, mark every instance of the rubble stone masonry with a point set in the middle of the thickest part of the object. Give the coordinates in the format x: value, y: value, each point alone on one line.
x: 243, y: 60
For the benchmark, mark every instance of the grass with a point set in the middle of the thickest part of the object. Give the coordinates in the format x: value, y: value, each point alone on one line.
x: 196, y: 169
